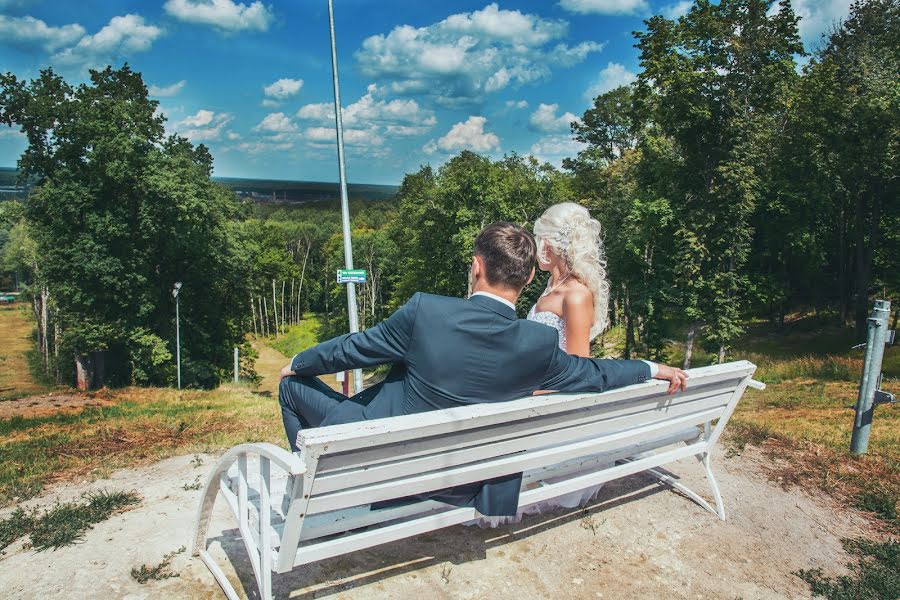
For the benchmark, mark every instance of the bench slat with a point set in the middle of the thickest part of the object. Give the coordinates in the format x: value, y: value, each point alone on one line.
x: 381, y: 535
x: 449, y: 456
x: 349, y: 436
x: 499, y: 466
x: 474, y: 437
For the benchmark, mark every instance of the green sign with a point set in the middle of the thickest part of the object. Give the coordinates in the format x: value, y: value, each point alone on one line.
x: 351, y: 276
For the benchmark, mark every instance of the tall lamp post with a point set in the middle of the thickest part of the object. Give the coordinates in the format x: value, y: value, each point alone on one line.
x: 345, y: 207
x: 175, y: 290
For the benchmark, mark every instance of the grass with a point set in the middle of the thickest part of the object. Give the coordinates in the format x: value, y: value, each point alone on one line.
x: 876, y: 573
x: 64, y: 524
x: 298, y: 337
x: 142, y: 425
x: 16, y: 343
x: 144, y: 573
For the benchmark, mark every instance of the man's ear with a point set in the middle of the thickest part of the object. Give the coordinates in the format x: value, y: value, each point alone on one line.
x: 476, y: 267
x: 530, y: 277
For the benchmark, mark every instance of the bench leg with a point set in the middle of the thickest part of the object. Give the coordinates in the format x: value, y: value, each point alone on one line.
x: 260, y: 557
x: 719, y: 509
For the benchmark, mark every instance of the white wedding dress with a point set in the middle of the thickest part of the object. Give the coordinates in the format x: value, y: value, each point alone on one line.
x: 566, y: 501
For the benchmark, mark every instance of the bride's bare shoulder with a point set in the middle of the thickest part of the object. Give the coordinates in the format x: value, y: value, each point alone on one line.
x: 576, y: 293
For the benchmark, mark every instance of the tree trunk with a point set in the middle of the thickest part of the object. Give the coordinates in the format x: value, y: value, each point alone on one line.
x: 275, y: 308
x: 689, y: 346
x: 864, y: 252
x: 843, y: 279
x: 84, y: 371
x: 292, y: 316
x: 283, y: 283
x: 721, y: 353
x: 302, y: 274
x: 266, y: 312
x: 45, y: 323
x: 629, y: 330
x: 253, y: 315
x: 89, y: 370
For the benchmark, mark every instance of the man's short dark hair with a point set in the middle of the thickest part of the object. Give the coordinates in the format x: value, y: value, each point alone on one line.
x: 509, y: 252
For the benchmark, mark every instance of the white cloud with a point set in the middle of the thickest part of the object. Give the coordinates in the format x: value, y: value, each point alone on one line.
x: 466, y: 56
x: 263, y: 147
x: 121, y: 37
x: 468, y: 135
x: 276, y: 122
x: 283, y: 88
x: 544, y: 119
x: 166, y: 91
x: 679, y: 9
x: 612, y: 76
x: 269, y: 103
x: 378, y: 117
x: 816, y: 17
x: 204, y: 125
x: 352, y: 136
x: 15, y: 3
x: 9, y: 132
x: 30, y: 32
x: 554, y: 148
x: 517, y: 104
x: 201, y: 119
x: 225, y: 15
x: 605, y: 7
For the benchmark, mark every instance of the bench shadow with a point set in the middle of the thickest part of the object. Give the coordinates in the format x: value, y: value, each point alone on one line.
x: 458, y: 544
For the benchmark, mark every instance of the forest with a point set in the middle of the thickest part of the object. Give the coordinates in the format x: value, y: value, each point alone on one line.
x: 739, y: 179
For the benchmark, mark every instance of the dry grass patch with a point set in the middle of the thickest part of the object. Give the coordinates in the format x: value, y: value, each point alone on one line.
x: 142, y: 425
x: 15, y: 344
x: 868, y: 483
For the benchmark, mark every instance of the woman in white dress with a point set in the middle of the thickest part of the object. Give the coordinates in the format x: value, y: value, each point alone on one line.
x: 575, y: 303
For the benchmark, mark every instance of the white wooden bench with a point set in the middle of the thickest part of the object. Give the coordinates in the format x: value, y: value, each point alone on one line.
x: 577, y: 440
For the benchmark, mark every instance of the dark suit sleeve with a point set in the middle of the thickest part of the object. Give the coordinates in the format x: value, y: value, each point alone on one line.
x: 387, y: 342
x: 569, y: 373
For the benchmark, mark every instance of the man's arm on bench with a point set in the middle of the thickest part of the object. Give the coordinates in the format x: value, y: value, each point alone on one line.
x: 384, y: 343
x: 570, y: 373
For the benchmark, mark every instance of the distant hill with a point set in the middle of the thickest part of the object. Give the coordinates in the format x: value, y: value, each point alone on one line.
x: 259, y: 190
x: 8, y: 187
x: 273, y: 190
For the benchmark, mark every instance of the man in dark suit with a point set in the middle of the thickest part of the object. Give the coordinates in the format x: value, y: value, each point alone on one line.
x: 450, y: 352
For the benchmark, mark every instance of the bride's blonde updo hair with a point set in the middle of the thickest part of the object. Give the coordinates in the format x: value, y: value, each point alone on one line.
x: 574, y: 236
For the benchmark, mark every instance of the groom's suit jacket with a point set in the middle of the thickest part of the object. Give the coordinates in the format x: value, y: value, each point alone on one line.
x: 451, y: 352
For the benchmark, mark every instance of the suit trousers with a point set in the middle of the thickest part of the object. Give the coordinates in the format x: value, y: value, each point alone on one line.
x: 306, y: 401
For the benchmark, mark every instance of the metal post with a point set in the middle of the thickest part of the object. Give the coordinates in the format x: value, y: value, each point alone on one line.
x: 345, y: 207
x: 235, y: 365
x: 871, y: 375
x: 178, y: 341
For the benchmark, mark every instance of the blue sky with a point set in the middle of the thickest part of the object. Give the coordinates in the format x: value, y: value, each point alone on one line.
x: 420, y: 80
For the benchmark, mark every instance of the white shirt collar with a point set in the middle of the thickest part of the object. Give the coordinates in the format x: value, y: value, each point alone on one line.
x: 497, y: 298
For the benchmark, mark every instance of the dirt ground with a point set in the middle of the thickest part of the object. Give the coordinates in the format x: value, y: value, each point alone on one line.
x: 637, y: 540
x: 50, y: 404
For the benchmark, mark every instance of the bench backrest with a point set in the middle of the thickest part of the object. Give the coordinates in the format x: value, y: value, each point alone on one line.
x: 360, y: 463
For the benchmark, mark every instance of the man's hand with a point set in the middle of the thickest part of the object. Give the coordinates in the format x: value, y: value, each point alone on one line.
x: 676, y: 377
x: 285, y: 372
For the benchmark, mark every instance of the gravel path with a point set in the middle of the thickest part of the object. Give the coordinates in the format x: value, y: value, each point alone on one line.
x: 639, y: 540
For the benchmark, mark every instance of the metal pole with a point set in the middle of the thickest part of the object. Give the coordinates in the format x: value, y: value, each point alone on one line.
x: 865, y: 403
x: 178, y: 342
x: 345, y: 207
x: 235, y: 365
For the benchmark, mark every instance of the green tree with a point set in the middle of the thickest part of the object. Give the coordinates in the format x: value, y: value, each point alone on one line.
x: 713, y: 82
x: 119, y: 214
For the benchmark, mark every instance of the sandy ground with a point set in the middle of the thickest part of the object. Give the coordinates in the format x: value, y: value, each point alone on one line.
x: 638, y: 540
